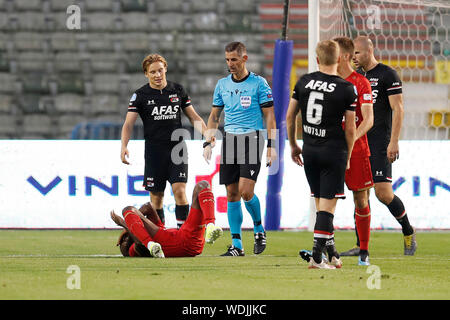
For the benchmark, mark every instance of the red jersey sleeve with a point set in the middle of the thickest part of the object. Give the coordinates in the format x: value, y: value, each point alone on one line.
x: 364, y: 91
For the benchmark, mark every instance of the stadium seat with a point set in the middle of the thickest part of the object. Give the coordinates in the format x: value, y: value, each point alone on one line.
x: 37, y: 124
x: 168, y: 6
x: 35, y: 83
x: 31, y: 21
x: 133, y: 41
x: 169, y: 21
x: 134, y: 61
x: 134, y: 5
x: 134, y: 21
x: 62, y: 5
x: 8, y: 126
x: 69, y: 103
x: 104, y: 105
x: 7, y: 80
x: 106, y: 63
x: 30, y: 104
x: 98, y: 42
x: 66, y: 124
x: 135, y: 81
x: 28, y: 41
x: 28, y: 5
x: 207, y: 21
x: 99, y: 5
x: 5, y: 105
x: 30, y: 61
x: 243, y: 6
x: 4, y: 63
x: 63, y: 41
x: 70, y: 83
x: 67, y: 62
x: 204, y: 5
x: 106, y: 83
x: 100, y: 22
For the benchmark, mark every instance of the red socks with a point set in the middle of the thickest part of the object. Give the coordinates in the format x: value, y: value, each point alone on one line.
x: 136, y: 226
x: 206, y: 201
x: 362, y: 219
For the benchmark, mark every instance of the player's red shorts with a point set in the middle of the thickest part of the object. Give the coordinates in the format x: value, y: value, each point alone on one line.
x: 188, y: 241
x: 359, y: 176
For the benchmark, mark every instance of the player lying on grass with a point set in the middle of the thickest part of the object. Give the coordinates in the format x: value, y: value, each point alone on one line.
x: 145, y: 234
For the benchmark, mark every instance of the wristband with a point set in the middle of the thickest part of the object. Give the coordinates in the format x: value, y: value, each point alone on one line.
x: 270, y: 143
x: 205, y: 144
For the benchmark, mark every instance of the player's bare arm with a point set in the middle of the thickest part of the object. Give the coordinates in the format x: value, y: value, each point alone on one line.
x: 213, y: 124
x: 127, y: 129
x: 350, y: 132
x: 271, y: 125
x: 396, y: 102
x: 367, y: 123
x: 291, y: 115
x: 196, y: 121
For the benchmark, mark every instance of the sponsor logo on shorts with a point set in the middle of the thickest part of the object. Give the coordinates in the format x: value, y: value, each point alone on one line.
x: 379, y: 173
x: 252, y: 172
x: 182, y: 175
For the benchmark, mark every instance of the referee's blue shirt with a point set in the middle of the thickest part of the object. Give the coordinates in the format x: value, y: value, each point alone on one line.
x: 242, y: 101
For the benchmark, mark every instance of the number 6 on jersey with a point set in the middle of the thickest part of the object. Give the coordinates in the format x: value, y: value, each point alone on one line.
x: 313, y: 109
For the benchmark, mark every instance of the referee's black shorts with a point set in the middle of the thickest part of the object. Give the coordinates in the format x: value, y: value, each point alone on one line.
x: 325, y: 171
x: 241, y: 157
x: 165, y: 162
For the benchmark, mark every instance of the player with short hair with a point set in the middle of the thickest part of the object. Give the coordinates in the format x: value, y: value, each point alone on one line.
x: 246, y: 100
x: 384, y: 135
x: 358, y: 177
x: 145, y: 234
x: 323, y: 99
x: 159, y: 104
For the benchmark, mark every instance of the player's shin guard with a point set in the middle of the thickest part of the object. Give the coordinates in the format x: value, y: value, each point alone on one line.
x: 235, y: 219
x: 323, y: 233
x: 136, y: 226
x: 206, y: 201
x: 397, y: 209
x: 254, y: 208
x: 362, y: 220
x: 181, y: 213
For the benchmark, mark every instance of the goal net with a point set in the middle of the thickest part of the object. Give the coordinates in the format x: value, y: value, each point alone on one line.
x: 412, y: 36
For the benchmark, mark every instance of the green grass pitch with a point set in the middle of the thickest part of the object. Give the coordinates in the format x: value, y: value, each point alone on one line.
x: 33, y: 265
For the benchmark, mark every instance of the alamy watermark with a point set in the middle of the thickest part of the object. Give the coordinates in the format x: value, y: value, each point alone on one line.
x: 74, y: 280
x: 374, y: 281
x: 73, y: 21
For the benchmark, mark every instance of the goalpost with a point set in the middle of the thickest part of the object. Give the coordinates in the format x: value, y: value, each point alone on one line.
x: 411, y: 36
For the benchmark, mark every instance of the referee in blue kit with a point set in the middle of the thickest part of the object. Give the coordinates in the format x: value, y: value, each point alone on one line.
x: 246, y: 100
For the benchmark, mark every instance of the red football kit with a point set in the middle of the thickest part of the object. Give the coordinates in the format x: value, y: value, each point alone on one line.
x: 359, y: 176
x: 188, y: 241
